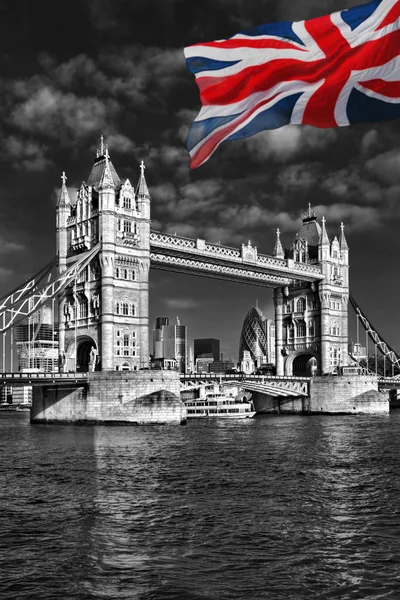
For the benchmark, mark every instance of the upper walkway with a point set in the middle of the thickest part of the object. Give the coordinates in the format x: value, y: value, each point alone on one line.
x: 185, y: 255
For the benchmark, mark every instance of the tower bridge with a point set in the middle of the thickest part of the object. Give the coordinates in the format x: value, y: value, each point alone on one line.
x: 99, y: 280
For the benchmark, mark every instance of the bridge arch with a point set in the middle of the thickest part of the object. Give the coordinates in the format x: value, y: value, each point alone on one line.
x: 82, y: 356
x: 301, y: 364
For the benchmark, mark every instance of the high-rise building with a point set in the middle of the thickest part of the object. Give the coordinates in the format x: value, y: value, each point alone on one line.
x: 170, y: 342
x: 37, y: 342
x: 257, y: 338
x: 206, y: 347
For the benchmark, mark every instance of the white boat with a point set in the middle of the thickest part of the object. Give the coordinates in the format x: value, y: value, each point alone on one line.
x: 221, y: 405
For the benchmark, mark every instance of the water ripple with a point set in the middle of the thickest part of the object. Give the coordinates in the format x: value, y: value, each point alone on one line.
x: 287, y: 508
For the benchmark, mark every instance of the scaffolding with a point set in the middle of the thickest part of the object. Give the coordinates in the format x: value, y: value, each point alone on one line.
x: 37, y: 341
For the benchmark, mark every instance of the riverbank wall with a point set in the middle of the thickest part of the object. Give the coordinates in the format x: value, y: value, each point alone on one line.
x: 348, y: 394
x: 112, y: 398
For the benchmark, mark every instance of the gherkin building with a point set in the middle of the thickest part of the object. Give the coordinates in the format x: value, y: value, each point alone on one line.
x: 253, y: 337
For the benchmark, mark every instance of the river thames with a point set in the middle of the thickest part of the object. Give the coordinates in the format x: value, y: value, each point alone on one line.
x: 288, y: 507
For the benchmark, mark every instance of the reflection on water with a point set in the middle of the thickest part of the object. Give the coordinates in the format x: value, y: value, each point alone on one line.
x: 274, y: 507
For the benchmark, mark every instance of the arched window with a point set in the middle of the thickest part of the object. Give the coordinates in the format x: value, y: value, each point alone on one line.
x: 125, y: 273
x: 117, y: 308
x: 125, y: 308
x: 117, y: 272
x: 133, y: 310
x: 133, y: 274
x: 125, y: 366
x: 301, y: 304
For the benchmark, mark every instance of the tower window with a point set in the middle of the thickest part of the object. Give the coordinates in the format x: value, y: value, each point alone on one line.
x: 127, y: 202
x: 301, y: 329
x: 83, y: 309
x: 125, y: 308
x: 127, y: 226
x: 301, y: 305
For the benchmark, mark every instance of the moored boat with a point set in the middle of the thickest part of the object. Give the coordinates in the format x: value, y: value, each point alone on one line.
x: 219, y: 404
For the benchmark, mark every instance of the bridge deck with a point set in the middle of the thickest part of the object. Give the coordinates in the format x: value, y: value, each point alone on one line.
x: 42, y: 378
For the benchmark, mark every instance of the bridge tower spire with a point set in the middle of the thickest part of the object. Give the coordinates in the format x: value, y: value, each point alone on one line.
x: 278, y: 250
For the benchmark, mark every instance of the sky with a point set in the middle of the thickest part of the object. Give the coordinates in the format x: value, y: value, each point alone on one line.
x: 71, y: 71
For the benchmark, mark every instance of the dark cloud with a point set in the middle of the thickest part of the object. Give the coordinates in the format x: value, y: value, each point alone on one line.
x: 73, y: 71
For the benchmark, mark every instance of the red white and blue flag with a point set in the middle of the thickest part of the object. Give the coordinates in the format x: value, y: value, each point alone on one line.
x: 330, y: 71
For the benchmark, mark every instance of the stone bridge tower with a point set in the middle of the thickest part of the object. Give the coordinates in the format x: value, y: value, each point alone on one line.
x: 103, y: 316
x: 312, y: 318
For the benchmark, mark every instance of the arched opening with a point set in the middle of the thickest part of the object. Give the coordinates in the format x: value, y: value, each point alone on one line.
x: 86, y: 355
x: 302, y: 365
x: 125, y: 367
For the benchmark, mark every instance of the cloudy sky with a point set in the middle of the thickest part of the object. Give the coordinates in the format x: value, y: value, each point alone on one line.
x: 70, y: 71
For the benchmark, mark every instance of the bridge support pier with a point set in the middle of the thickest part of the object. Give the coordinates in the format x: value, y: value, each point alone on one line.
x: 135, y: 398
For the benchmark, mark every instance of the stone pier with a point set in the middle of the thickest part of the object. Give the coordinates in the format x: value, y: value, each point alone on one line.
x: 112, y: 398
x: 341, y: 394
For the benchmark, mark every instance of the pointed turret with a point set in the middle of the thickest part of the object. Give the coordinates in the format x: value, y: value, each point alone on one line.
x: 278, y: 250
x: 97, y: 172
x: 142, y: 189
x: 63, y: 199
x: 324, y: 244
x: 106, y: 179
x: 342, y: 240
x: 324, y: 240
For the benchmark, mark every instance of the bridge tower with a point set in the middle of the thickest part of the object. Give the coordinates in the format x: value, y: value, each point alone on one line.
x: 312, y: 318
x: 103, y: 316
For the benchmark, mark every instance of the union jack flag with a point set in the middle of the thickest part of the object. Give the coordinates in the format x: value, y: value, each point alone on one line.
x: 330, y: 71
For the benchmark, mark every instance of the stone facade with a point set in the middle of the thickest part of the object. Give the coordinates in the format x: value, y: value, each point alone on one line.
x: 104, y: 315
x: 137, y: 398
x: 350, y: 394
x: 312, y: 318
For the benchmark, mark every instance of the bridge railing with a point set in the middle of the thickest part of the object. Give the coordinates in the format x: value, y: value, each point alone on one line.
x: 248, y: 253
x: 39, y: 376
x: 241, y: 376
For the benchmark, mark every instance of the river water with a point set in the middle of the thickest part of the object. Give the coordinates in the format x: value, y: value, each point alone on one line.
x: 276, y: 507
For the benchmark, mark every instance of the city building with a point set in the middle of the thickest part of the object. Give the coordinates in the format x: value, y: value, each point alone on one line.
x: 257, y: 338
x: 357, y: 351
x: 16, y: 394
x: 221, y: 366
x: 37, y: 342
x: 206, y: 347
x: 203, y: 364
x: 247, y: 364
x: 170, y: 342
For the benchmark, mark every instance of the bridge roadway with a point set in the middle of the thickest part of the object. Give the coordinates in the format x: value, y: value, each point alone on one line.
x: 279, y: 386
x: 269, y: 384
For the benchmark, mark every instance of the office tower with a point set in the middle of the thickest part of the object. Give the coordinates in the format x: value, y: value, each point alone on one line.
x: 170, y: 342
x: 206, y: 347
x: 257, y: 338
